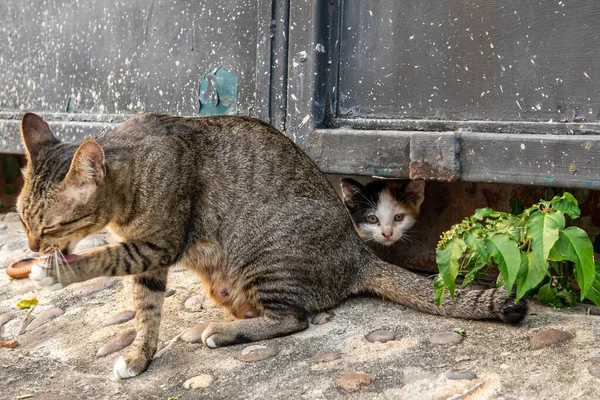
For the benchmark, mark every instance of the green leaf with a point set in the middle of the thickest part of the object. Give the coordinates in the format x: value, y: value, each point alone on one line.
x: 594, y: 293
x: 27, y: 303
x: 547, y: 295
x: 476, y: 243
x: 567, y: 298
x: 531, y: 273
x: 476, y: 264
x: 516, y: 206
x: 505, y: 252
x: 566, y: 204
x: 439, y: 287
x: 510, y: 226
x: 575, y: 245
x: 447, y: 260
x: 482, y: 213
x: 461, y: 331
x: 542, y: 230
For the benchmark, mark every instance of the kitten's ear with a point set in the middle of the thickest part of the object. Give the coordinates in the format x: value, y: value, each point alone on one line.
x: 88, y: 164
x: 36, y: 134
x: 415, y: 192
x: 350, y: 189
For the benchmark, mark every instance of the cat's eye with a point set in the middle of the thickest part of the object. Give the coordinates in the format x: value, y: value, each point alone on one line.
x: 398, y: 217
x: 372, y: 219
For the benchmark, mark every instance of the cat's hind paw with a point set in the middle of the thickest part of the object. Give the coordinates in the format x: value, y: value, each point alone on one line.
x: 44, y: 277
x: 222, y: 334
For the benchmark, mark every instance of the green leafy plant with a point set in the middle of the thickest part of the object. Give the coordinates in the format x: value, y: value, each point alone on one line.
x: 531, y: 248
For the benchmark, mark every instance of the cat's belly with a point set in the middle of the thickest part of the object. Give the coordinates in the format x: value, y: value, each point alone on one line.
x: 207, y: 259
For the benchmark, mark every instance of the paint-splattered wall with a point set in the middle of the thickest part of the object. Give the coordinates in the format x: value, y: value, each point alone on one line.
x: 86, y: 58
x: 471, y: 60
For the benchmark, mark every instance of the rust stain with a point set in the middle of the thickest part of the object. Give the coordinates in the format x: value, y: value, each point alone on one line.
x: 426, y: 170
x: 573, y: 169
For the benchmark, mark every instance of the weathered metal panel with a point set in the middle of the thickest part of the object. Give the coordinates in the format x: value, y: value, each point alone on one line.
x: 340, y: 151
x: 548, y: 160
x: 507, y: 60
x: 435, y: 156
x: 124, y: 57
x: 311, y: 43
x: 109, y: 56
x: 544, y: 160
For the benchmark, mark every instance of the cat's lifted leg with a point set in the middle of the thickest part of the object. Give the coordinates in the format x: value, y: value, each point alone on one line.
x: 271, y: 324
x: 148, y: 297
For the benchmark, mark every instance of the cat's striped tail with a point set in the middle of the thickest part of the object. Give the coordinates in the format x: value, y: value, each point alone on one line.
x: 404, y: 287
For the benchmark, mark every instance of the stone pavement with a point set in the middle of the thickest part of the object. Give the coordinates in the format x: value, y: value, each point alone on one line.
x: 69, y: 343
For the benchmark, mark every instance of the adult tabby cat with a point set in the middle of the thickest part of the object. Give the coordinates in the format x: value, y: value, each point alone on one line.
x: 229, y: 198
x: 383, y: 210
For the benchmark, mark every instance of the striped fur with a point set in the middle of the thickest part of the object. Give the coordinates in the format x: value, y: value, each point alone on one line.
x: 231, y: 199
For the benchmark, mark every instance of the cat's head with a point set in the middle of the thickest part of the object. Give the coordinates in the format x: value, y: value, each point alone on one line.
x: 64, y: 189
x: 383, y: 210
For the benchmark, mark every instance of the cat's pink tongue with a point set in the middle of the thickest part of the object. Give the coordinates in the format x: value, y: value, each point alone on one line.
x: 68, y: 258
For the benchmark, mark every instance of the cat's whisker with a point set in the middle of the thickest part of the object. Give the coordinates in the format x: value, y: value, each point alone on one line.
x: 412, y: 239
x: 56, y: 264
x: 368, y: 201
x: 21, y: 244
x: 67, y: 267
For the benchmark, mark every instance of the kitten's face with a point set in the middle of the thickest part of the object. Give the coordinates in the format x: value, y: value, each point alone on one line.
x: 62, y: 193
x: 383, y: 211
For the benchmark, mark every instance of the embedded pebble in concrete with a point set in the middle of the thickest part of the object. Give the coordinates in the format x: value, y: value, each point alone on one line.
x: 381, y: 336
x: 89, y: 243
x: 95, y: 285
x: 454, y: 374
x: 322, y: 318
x: 117, y: 343
x: 446, y: 338
x: 256, y: 353
x: 3, y: 227
x: 595, y: 360
x: 594, y: 370
x: 324, y: 357
x: 194, y: 303
x: 121, y: 317
x: 4, y: 318
x: 353, y: 382
x: 462, y: 358
x: 169, y: 292
x: 43, y: 318
x: 194, y: 334
x: 548, y: 337
x: 199, y: 382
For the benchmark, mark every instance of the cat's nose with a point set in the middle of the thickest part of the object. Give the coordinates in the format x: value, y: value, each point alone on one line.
x: 387, y: 235
x: 34, y: 244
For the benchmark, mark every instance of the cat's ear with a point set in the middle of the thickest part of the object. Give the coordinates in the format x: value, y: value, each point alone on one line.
x: 88, y: 164
x: 36, y: 134
x: 350, y: 190
x: 415, y: 192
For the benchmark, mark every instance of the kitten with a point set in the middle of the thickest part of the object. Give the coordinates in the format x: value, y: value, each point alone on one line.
x: 227, y: 197
x: 383, y: 210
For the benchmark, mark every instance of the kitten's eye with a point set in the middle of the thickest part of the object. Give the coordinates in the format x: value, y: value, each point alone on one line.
x: 372, y: 219
x: 398, y: 217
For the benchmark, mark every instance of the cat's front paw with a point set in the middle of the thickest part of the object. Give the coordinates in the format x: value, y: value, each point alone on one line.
x: 45, y: 277
x: 130, y: 366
